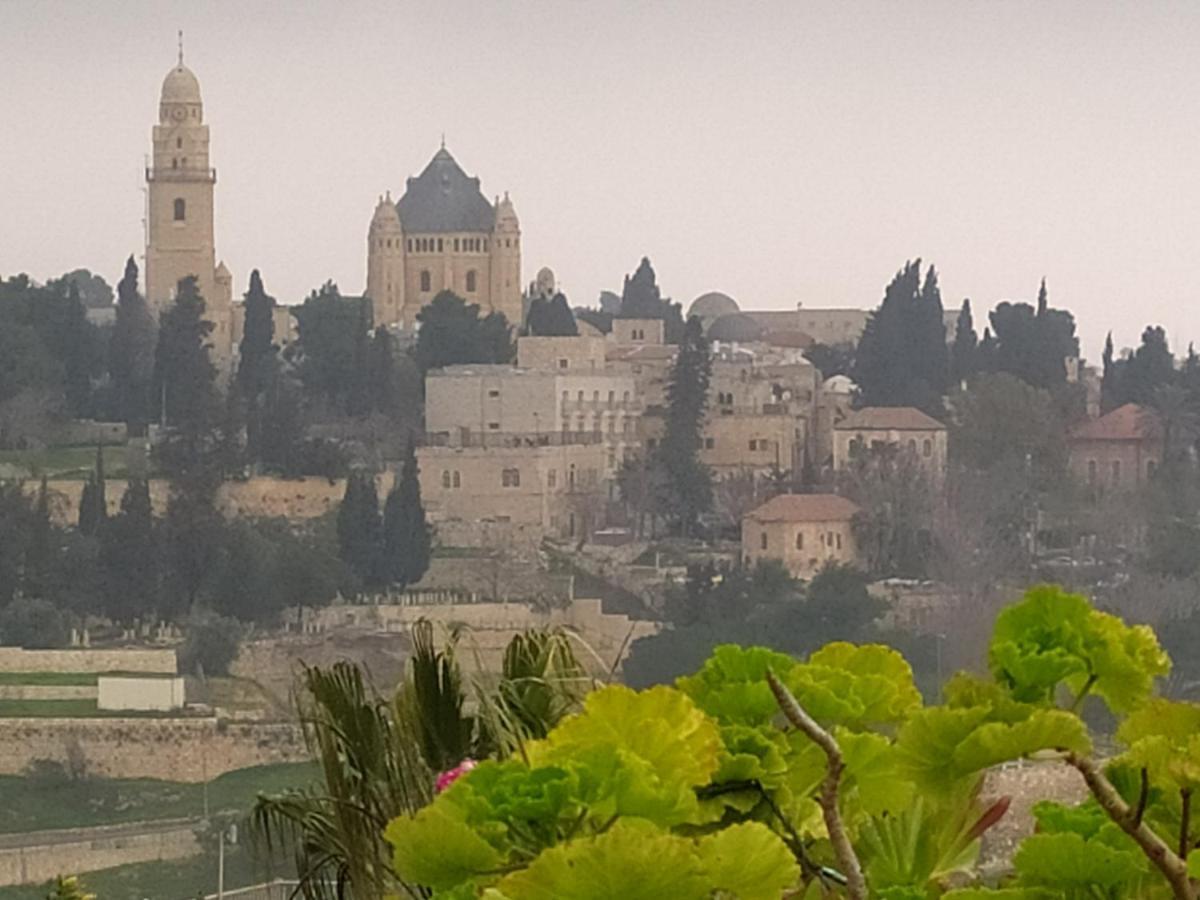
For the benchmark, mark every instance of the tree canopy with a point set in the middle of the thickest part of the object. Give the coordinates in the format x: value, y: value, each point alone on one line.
x: 454, y: 332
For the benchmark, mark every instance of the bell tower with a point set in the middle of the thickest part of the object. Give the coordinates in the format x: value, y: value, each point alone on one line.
x: 180, y: 187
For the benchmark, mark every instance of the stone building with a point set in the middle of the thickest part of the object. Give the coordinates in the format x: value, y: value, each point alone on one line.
x: 514, y: 490
x: 803, y: 531
x: 562, y: 354
x: 1120, y: 450
x: 906, y: 428
x: 443, y: 234
x: 181, y: 182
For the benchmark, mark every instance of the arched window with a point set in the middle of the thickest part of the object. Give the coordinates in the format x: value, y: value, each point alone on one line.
x: 426, y: 280
x: 178, y: 143
x: 912, y: 447
x: 927, y: 449
x: 445, y: 478
x: 799, y: 540
x: 762, y: 541
x: 180, y: 209
x: 439, y: 245
x: 457, y: 479
x: 175, y: 164
x: 471, y: 278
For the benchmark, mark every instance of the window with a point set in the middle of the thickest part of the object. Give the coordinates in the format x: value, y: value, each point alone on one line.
x: 410, y: 250
x: 612, y: 395
x: 754, y: 444
x: 829, y: 539
x: 426, y: 280
x: 1151, y: 468
x: 457, y: 479
x: 456, y: 245
x: 439, y: 245
x: 912, y: 448
x: 1091, y: 471
x: 471, y: 279
x: 595, y: 396
x: 178, y: 143
x: 1116, y: 472
x: 799, y: 540
x: 510, y: 478
x: 625, y: 397
x: 174, y: 164
x: 180, y: 209
x: 838, y: 536
x: 446, y: 478
x: 493, y: 426
x: 493, y: 393
x: 651, y: 443
x: 571, y: 477
x: 762, y: 540
x: 566, y: 395
x: 709, y: 443
x: 579, y: 397
x: 927, y: 448
x: 552, y: 478
x: 562, y: 364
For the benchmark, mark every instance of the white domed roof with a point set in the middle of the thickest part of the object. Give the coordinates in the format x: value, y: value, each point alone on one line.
x: 839, y: 384
x: 181, y: 86
x: 712, y: 306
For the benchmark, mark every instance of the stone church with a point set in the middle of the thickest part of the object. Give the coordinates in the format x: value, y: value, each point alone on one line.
x: 443, y: 234
x: 180, y: 184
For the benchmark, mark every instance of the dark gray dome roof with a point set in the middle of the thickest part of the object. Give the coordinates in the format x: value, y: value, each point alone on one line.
x: 735, y: 327
x: 712, y: 305
x: 443, y: 198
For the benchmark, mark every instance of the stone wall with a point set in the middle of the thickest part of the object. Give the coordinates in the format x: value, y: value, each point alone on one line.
x: 179, y: 749
x: 41, y: 856
x: 48, y: 692
x: 488, y: 627
x: 14, y: 659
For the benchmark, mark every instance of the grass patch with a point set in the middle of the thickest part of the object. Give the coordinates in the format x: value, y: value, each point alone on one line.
x: 67, y: 462
x: 41, y: 803
x: 55, y: 679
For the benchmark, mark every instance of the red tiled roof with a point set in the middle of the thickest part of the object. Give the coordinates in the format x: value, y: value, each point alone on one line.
x: 888, y: 418
x: 804, y: 508
x: 1125, y: 423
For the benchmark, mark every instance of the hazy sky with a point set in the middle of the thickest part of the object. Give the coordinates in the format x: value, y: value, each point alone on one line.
x: 779, y: 152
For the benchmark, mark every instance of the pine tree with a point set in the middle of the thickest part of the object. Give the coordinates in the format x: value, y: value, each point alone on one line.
x: 964, y: 360
x: 406, y: 535
x: 257, y: 350
x: 689, y: 483
x: 1043, y: 301
x: 129, y: 558
x: 131, y: 351
x: 184, y: 375
x: 93, y: 504
x: 359, y: 527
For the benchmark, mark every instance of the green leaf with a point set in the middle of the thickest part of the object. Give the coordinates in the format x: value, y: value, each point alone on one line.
x: 997, y: 742
x: 927, y: 742
x: 748, y: 861
x: 855, y: 686
x: 1012, y: 893
x: 436, y: 849
x: 732, y: 685
x: 1067, y: 861
x: 748, y: 754
x: 634, y: 753
x: 1193, y: 864
x: 1053, y: 638
x: 633, y: 860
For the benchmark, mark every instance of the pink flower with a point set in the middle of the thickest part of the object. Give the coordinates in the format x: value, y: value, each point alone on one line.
x: 450, y: 776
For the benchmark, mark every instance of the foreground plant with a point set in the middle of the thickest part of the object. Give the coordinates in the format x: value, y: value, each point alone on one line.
x: 706, y: 790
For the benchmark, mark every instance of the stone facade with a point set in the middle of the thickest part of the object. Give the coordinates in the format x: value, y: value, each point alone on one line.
x: 557, y: 487
x: 443, y: 234
x: 561, y: 354
x: 123, y: 692
x: 633, y: 332
x: 1118, y: 451
x: 803, y: 531
x: 179, y: 749
x: 903, y: 427
x: 179, y: 210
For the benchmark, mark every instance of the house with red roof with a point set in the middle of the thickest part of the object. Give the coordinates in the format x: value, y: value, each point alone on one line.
x: 803, y: 531
x: 1120, y: 450
x: 905, y: 428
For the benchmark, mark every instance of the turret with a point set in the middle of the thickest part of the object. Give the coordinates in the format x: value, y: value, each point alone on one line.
x: 385, y: 262
x: 506, y: 262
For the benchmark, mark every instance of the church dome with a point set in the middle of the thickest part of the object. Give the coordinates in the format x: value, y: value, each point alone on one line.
x: 712, y: 305
x: 181, y: 86
x: 735, y: 327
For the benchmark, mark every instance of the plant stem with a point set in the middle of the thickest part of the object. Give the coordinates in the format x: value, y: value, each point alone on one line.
x: 827, y: 798
x: 1083, y: 692
x: 1143, y: 796
x: 1185, y: 797
x: 1170, y: 864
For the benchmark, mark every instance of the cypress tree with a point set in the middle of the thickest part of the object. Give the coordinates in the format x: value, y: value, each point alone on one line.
x: 257, y: 349
x: 381, y: 372
x: 93, y: 505
x: 689, y: 483
x: 39, y: 554
x: 129, y: 557
x: 359, y: 528
x: 131, y: 352
x: 184, y: 375
x: 964, y: 352
x: 282, y: 427
x: 407, y: 539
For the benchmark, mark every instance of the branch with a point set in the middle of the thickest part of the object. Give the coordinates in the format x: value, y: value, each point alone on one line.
x: 1143, y: 796
x: 1173, y: 868
x: 827, y: 799
x: 1185, y: 798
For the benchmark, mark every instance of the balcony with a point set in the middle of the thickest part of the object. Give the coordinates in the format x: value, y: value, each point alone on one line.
x: 177, y: 175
